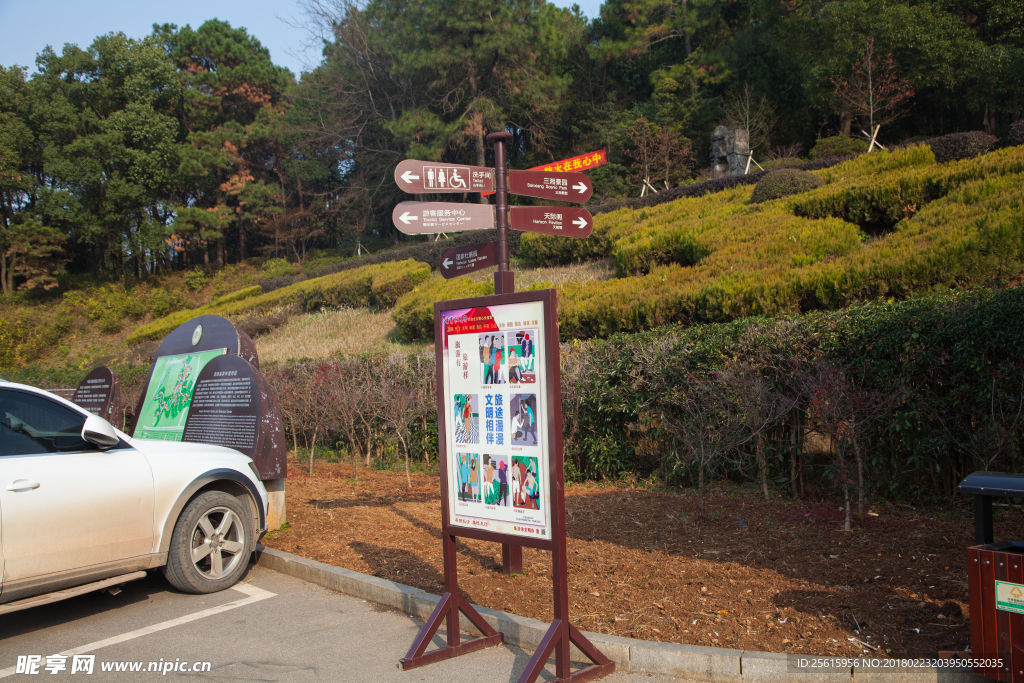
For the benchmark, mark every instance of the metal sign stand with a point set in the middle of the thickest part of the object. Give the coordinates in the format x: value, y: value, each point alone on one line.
x: 561, y: 635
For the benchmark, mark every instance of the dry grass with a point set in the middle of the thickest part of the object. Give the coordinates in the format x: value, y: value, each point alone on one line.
x: 327, y: 334
x: 592, y: 271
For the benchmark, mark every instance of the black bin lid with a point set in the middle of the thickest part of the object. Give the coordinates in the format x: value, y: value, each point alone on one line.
x: 993, y: 484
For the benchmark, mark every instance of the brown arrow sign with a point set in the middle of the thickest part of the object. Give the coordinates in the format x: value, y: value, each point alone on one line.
x: 468, y: 258
x: 567, y: 221
x: 427, y: 176
x: 567, y: 187
x: 417, y: 218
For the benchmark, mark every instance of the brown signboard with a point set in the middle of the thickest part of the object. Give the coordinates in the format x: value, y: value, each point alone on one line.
x: 232, y: 406
x: 567, y: 221
x: 417, y: 218
x: 100, y: 394
x: 427, y: 176
x: 467, y: 259
x: 566, y: 187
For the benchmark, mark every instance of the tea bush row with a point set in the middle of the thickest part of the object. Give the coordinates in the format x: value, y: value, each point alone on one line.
x: 376, y: 285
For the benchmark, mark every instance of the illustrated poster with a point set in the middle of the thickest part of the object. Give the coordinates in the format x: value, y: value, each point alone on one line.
x: 497, y: 435
x: 169, y: 396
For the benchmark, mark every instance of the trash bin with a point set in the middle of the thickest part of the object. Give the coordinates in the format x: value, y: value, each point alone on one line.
x: 995, y: 577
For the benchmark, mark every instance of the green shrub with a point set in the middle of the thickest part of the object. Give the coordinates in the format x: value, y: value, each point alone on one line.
x: 837, y: 146
x: 954, y: 359
x: 783, y: 183
x: 958, y: 146
x: 195, y: 280
x: 1017, y: 133
x: 377, y: 285
x: 278, y: 267
x: 414, y: 312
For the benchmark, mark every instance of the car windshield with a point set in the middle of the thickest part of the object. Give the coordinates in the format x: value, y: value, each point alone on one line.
x: 31, y: 424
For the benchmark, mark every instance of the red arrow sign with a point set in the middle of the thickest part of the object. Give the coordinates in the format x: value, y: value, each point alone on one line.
x: 417, y: 218
x: 568, y: 187
x: 567, y: 221
x: 427, y: 176
x: 467, y: 259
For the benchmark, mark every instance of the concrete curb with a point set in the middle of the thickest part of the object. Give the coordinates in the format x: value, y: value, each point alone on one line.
x: 711, y: 664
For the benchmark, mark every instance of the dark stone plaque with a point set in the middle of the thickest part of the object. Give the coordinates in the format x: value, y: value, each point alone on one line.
x: 100, y: 394
x: 202, y: 333
x: 232, y: 406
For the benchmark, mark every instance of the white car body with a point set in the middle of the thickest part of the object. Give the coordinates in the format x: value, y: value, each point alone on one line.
x: 74, y: 517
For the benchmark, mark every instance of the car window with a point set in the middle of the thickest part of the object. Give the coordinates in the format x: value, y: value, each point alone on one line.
x: 31, y: 424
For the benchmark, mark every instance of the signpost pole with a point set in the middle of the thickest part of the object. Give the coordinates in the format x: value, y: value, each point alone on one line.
x: 504, y: 283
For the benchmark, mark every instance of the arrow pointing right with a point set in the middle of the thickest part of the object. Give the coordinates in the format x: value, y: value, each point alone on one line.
x: 406, y: 217
x: 447, y: 262
x: 580, y: 187
x: 409, y: 177
x: 580, y: 223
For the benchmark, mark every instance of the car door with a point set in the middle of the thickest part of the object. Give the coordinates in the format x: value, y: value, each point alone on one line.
x: 67, y: 506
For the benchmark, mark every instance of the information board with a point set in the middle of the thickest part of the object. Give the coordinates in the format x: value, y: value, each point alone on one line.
x: 164, y: 410
x: 100, y: 394
x: 496, y: 419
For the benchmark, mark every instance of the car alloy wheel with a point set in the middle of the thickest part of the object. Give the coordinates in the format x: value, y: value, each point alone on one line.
x: 218, y: 543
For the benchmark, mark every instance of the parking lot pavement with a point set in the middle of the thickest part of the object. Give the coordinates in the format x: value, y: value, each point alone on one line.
x: 271, y: 627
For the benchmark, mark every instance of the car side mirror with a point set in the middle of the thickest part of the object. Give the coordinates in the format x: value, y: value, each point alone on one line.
x: 99, y: 433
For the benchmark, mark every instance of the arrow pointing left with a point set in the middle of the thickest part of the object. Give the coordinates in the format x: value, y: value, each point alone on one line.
x: 409, y: 177
x: 446, y: 263
x: 406, y: 217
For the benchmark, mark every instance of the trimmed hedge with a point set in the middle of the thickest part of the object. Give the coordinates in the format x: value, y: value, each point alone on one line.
x: 837, y: 146
x: 954, y: 358
x: 414, y: 313
x: 378, y: 285
x: 783, y: 183
x: 701, y: 189
x: 426, y: 252
x: 718, y: 258
x: 959, y: 146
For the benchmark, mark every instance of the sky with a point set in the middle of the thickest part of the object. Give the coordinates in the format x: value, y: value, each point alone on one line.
x: 25, y: 30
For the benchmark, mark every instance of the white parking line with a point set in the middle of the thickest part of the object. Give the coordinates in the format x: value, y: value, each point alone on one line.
x: 255, y: 595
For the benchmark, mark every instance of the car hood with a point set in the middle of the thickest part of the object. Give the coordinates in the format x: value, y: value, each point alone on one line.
x: 189, y: 451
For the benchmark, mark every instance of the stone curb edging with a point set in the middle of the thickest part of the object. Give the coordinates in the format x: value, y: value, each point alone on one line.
x: 693, y: 662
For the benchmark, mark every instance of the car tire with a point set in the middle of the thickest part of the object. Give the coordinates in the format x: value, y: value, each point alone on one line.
x: 210, y: 544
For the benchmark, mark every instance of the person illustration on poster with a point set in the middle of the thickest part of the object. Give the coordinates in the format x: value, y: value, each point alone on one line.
x: 517, y: 425
x: 498, y: 349
x: 516, y: 485
x: 465, y: 429
x: 474, y: 479
x: 463, y: 477
x: 529, y: 422
x: 502, y: 484
x: 527, y: 346
x: 514, y: 373
x: 530, y: 488
x: 485, y: 358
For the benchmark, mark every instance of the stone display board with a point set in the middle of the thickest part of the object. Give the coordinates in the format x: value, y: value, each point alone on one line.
x: 181, y: 401
x: 232, y: 406
x: 100, y: 394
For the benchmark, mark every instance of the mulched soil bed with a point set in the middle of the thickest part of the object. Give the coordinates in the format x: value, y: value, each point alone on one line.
x: 772, y: 576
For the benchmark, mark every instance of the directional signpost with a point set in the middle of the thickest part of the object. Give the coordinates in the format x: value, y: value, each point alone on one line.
x: 417, y: 218
x: 467, y: 259
x: 428, y: 176
x: 565, y: 221
x: 566, y: 187
x: 525, y: 327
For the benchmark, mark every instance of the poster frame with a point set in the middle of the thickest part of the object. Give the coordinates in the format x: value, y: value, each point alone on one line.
x: 552, y: 414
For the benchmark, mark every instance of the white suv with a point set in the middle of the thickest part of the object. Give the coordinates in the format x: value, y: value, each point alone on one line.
x: 83, y: 506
